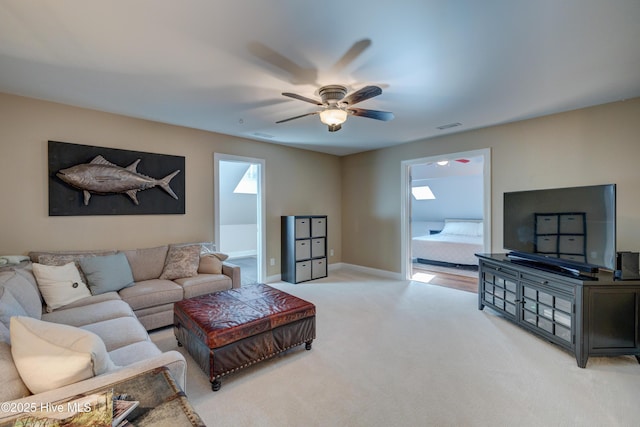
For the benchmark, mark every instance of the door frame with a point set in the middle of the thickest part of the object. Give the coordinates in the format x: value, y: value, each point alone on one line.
x: 261, y: 206
x: 405, y: 211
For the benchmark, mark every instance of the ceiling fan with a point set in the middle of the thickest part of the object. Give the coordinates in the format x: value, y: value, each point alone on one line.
x: 337, y: 105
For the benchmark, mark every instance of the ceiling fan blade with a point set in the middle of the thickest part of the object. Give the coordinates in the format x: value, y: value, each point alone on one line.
x: 350, y: 55
x: 362, y: 95
x: 371, y: 114
x: 302, y: 98
x: 298, y: 75
x: 297, y: 117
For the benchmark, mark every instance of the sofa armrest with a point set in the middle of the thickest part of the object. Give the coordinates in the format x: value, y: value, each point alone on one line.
x: 173, y: 360
x: 233, y: 271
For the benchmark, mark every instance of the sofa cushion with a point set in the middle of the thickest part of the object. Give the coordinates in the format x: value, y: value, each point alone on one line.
x: 4, y: 335
x: 120, y: 332
x: 60, y: 285
x: 156, y: 317
x: 106, y: 273
x: 87, y: 314
x: 148, y: 263
x: 93, y: 299
x: 151, y: 293
x: 48, y: 355
x: 9, y: 307
x: 182, y: 261
x: 12, y: 385
x: 204, y: 284
x: 27, y: 274
x: 132, y: 353
x: 23, y: 291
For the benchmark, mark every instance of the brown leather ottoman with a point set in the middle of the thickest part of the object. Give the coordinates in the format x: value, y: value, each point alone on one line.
x: 229, y: 330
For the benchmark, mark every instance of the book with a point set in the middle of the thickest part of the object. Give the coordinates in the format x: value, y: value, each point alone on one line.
x: 122, y: 407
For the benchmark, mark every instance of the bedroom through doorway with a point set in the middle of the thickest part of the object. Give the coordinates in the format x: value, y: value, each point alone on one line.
x: 445, y: 213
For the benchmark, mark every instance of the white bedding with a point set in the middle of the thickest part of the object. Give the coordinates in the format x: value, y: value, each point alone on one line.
x: 448, y: 247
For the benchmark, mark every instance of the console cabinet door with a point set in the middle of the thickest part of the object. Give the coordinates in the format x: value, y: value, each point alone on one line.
x: 499, y: 289
x: 549, y: 313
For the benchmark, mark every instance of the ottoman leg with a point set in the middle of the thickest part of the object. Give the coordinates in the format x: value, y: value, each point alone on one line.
x: 216, y: 384
x: 307, y: 346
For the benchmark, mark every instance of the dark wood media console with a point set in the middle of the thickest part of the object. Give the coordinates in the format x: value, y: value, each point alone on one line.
x: 588, y: 316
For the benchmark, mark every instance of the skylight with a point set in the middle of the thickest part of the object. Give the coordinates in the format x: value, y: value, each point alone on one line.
x: 422, y: 193
x: 249, y: 182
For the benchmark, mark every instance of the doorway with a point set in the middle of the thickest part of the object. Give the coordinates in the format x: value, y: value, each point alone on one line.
x: 240, y: 213
x: 439, y: 194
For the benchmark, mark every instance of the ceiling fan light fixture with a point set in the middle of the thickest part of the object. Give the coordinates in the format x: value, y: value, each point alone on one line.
x: 333, y: 116
x: 337, y: 105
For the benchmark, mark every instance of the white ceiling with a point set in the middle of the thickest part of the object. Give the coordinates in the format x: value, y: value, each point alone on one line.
x: 222, y: 65
x: 448, y: 167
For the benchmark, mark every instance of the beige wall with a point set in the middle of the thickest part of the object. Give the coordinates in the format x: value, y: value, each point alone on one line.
x: 359, y: 193
x: 297, y: 181
x: 596, y: 145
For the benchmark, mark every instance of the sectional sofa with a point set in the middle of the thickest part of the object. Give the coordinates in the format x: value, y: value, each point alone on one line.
x: 52, y: 349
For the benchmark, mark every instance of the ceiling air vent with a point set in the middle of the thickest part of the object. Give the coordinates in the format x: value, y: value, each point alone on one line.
x: 449, y: 126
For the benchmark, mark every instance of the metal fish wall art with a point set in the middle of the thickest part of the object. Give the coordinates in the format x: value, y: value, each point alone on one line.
x: 100, y: 176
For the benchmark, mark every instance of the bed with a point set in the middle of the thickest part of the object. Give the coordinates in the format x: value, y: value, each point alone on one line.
x: 456, y: 244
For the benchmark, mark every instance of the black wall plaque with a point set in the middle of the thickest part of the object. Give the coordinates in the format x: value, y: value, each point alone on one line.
x: 66, y: 200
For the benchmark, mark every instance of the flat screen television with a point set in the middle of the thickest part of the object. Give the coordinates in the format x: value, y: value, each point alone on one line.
x: 572, y: 228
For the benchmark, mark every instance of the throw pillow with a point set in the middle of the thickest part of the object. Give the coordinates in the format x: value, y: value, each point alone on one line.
x: 60, y: 285
x: 212, y: 263
x: 51, y: 355
x: 182, y: 261
x: 107, y: 273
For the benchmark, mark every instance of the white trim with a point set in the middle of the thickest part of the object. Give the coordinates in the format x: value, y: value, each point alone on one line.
x: 273, y: 279
x: 372, y: 271
x: 343, y: 266
x: 262, y: 240
x: 405, y: 210
x: 335, y: 266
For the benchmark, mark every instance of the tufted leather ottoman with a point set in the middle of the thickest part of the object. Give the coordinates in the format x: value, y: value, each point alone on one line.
x: 229, y: 330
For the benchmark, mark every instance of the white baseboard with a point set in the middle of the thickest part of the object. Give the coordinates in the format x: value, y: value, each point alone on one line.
x: 341, y: 265
x: 368, y: 270
x: 274, y: 278
x: 335, y: 266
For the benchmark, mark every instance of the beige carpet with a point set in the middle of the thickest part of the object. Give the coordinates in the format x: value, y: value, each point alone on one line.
x: 394, y: 353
